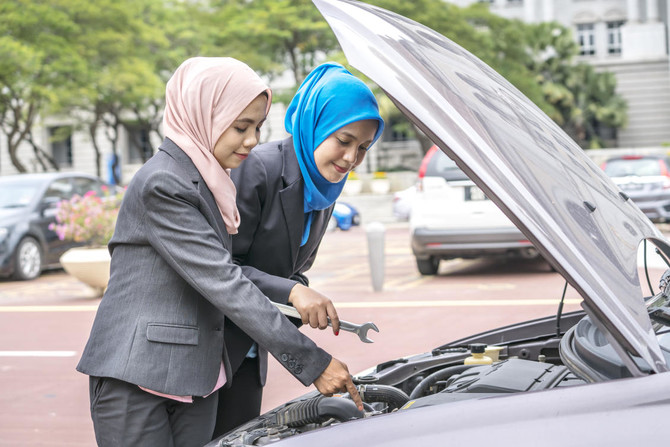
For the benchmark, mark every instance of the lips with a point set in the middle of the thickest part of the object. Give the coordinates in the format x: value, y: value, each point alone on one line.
x: 340, y: 169
x: 242, y: 156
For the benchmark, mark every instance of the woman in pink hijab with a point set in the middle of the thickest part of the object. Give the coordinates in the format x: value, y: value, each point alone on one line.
x: 176, y: 304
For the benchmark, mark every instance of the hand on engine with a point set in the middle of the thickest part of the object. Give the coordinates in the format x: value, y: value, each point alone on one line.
x: 336, y: 378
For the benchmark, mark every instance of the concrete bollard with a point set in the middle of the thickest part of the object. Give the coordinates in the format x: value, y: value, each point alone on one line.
x: 375, y: 232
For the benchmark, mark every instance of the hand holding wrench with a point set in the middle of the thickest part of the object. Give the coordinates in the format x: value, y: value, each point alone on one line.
x: 359, y: 329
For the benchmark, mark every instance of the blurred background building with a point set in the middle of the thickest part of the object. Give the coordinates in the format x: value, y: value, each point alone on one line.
x: 626, y: 37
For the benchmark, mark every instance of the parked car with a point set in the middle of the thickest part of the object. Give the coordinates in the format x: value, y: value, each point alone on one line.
x: 28, y: 205
x: 646, y: 180
x: 344, y: 217
x: 453, y: 218
x: 592, y: 378
x: 403, y: 201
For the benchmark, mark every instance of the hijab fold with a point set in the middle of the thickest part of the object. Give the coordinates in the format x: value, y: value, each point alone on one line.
x: 328, y: 99
x: 203, y: 98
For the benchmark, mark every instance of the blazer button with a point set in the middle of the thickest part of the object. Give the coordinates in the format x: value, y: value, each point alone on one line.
x: 298, y: 370
x: 284, y: 358
x: 291, y: 364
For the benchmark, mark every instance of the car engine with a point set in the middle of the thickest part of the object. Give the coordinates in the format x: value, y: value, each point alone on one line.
x: 552, y: 352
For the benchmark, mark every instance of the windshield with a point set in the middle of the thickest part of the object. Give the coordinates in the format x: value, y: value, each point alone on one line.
x: 641, y: 167
x: 442, y: 166
x: 17, y: 196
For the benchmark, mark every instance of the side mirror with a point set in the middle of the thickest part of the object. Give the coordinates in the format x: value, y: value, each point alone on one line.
x: 48, y: 206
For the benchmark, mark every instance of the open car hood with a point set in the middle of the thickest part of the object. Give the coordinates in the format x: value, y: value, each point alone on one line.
x: 540, y: 178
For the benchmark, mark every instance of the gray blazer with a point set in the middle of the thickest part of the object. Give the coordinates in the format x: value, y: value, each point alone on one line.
x: 174, y: 288
x: 270, y: 201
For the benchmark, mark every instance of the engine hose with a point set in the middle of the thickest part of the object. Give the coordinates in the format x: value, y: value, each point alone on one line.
x: 390, y: 395
x: 318, y: 409
x: 435, y: 377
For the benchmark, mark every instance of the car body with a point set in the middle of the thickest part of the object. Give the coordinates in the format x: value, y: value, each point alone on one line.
x: 344, y: 217
x: 584, y: 378
x: 403, y: 201
x: 646, y: 180
x: 453, y: 218
x: 28, y: 204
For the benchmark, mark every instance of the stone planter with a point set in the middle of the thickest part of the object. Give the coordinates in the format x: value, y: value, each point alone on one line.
x: 380, y: 186
x: 89, y: 265
x: 352, y: 187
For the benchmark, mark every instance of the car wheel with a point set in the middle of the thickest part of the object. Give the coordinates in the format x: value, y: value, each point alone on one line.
x: 428, y: 266
x: 28, y: 259
x: 356, y: 219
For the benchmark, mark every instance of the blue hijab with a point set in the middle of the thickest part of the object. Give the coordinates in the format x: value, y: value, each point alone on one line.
x: 328, y: 99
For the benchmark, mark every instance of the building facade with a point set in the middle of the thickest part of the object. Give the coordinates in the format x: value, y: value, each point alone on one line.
x: 626, y: 37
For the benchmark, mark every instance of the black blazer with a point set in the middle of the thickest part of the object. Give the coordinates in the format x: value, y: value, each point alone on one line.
x: 270, y: 201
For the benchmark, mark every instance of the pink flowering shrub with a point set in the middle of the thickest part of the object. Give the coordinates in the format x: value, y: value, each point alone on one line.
x: 89, y: 219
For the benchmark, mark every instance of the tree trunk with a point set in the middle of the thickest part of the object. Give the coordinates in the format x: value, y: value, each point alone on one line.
x: 92, y: 130
x: 41, y: 154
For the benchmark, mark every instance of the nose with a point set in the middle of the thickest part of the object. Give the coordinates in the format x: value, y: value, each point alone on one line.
x: 350, y: 155
x: 251, y: 141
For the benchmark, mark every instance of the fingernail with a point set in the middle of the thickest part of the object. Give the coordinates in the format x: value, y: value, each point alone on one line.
x: 337, y: 333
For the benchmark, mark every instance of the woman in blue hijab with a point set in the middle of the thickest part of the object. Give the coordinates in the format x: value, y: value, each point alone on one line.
x: 286, y: 191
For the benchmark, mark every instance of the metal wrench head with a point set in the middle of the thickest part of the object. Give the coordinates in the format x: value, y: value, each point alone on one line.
x: 362, y: 331
x: 359, y: 329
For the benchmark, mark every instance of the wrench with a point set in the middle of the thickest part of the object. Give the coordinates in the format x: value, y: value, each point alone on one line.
x: 359, y: 329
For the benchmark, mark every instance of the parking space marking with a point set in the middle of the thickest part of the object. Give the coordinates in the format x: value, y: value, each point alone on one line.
x: 87, y: 308
x: 38, y: 353
x: 343, y: 304
x: 456, y: 303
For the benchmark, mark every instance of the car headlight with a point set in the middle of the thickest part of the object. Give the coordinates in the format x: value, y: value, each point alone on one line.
x: 3, y: 234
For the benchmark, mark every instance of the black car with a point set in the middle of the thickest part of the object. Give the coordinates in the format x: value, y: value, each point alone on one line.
x: 28, y: 205
x: 592, y: 378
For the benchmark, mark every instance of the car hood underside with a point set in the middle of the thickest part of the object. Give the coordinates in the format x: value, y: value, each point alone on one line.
x: 564, y: 204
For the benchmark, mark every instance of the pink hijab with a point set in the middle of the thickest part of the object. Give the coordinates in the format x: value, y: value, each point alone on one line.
x: 202, y: 99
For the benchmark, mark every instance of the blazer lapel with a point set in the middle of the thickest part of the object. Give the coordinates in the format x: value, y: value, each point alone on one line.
x: 212, y: 212
x: 292, y: 197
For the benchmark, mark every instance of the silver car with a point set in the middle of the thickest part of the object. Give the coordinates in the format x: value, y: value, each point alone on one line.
x: 646, y: 180
x: 453, y: 218
x: 591, y: 378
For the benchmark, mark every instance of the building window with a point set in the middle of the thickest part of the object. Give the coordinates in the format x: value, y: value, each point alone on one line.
x: 614, y: 37
x: 515, y: 2
x: 139, y: 146
x: 486, y: 1
x: 586, y: 39
x: 60, y: 138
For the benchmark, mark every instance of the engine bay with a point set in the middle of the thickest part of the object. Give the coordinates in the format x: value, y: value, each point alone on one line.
x: 552, y: 352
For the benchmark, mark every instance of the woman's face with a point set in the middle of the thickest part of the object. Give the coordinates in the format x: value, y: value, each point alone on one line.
x: 344, y: 149
x: 236, y: 142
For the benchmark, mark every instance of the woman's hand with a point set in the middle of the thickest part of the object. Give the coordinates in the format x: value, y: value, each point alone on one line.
x: 314, y: 308
x: 336, y: 378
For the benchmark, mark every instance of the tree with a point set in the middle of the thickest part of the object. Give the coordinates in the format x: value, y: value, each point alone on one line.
x: 273, y: 35
x: 583, y: 102
x: 37, y: 67
x: 499, y: 42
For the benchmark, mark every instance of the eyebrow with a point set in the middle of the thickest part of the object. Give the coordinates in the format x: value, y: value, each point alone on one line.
x: 249, y: 120
x: 353, y: 137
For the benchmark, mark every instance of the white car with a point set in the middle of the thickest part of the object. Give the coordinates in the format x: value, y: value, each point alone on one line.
x: 452, y: 218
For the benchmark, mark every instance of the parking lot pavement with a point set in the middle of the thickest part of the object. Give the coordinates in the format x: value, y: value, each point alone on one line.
x: 44, y: 324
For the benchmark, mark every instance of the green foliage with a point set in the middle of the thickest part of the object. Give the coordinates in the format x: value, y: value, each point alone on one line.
x: 272, y: 35
x: 582, y: 101
x: 105, y: 63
